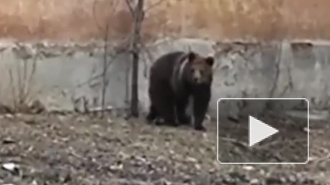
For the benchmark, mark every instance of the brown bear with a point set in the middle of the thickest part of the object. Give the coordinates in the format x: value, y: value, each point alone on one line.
x: 174, y: 78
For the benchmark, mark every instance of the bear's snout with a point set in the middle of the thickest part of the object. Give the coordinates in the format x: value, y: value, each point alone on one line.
x: 196, y: 80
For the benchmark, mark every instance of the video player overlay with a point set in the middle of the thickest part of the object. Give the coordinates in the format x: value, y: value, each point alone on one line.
x: 264, y: 130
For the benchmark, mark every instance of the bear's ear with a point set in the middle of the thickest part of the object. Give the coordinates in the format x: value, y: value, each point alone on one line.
x: 191, y: 56
x: 210, y: 61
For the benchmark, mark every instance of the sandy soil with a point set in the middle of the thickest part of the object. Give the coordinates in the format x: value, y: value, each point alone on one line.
x: 80, y: 149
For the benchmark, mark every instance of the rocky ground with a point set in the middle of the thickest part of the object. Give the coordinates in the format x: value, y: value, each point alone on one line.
x: 86, y: 150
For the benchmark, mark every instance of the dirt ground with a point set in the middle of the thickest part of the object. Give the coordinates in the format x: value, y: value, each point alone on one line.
x: 86, y: 150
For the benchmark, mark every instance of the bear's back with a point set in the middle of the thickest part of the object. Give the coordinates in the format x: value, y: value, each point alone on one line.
x: 163, y: 67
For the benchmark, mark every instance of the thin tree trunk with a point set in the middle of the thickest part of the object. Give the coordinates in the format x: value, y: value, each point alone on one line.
x: 104, y: 73
x: 138, y: 19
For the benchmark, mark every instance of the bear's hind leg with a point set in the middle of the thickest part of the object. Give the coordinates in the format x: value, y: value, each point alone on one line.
x: 163, y: 103
x: 167, y: 111
x: 181, y: 106
x: 152, y: 115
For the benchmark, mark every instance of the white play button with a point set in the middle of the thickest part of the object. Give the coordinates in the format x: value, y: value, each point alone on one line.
x: 259, y: 131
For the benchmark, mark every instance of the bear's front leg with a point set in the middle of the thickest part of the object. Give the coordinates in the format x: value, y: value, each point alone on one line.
x: 201, y: 101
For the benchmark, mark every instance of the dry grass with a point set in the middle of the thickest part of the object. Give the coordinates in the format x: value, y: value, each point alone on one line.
x: 216, y: 19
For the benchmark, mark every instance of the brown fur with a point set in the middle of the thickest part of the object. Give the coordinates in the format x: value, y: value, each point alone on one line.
x: 175, y: 77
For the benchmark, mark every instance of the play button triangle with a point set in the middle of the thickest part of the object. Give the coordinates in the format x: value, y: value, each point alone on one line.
x: 259, y: 131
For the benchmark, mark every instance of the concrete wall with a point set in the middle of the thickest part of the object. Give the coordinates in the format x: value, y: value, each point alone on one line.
x: 64, y: 75
x: 276, y: 70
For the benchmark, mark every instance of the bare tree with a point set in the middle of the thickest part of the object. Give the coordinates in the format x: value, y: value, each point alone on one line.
x: 137, y: 11
x: 136, y: 45
x: 107, y: 60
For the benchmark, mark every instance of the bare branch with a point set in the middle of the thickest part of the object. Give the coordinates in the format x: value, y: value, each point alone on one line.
x: 130, y: 7
x: 149, y: 55
x: 277, y: 72
x: 154, y: 5
x: 113, y: 57
x: 105, y: 69
x: 268, y: 104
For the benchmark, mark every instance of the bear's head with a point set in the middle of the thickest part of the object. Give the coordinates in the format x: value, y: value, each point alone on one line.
x: 199, y: 69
